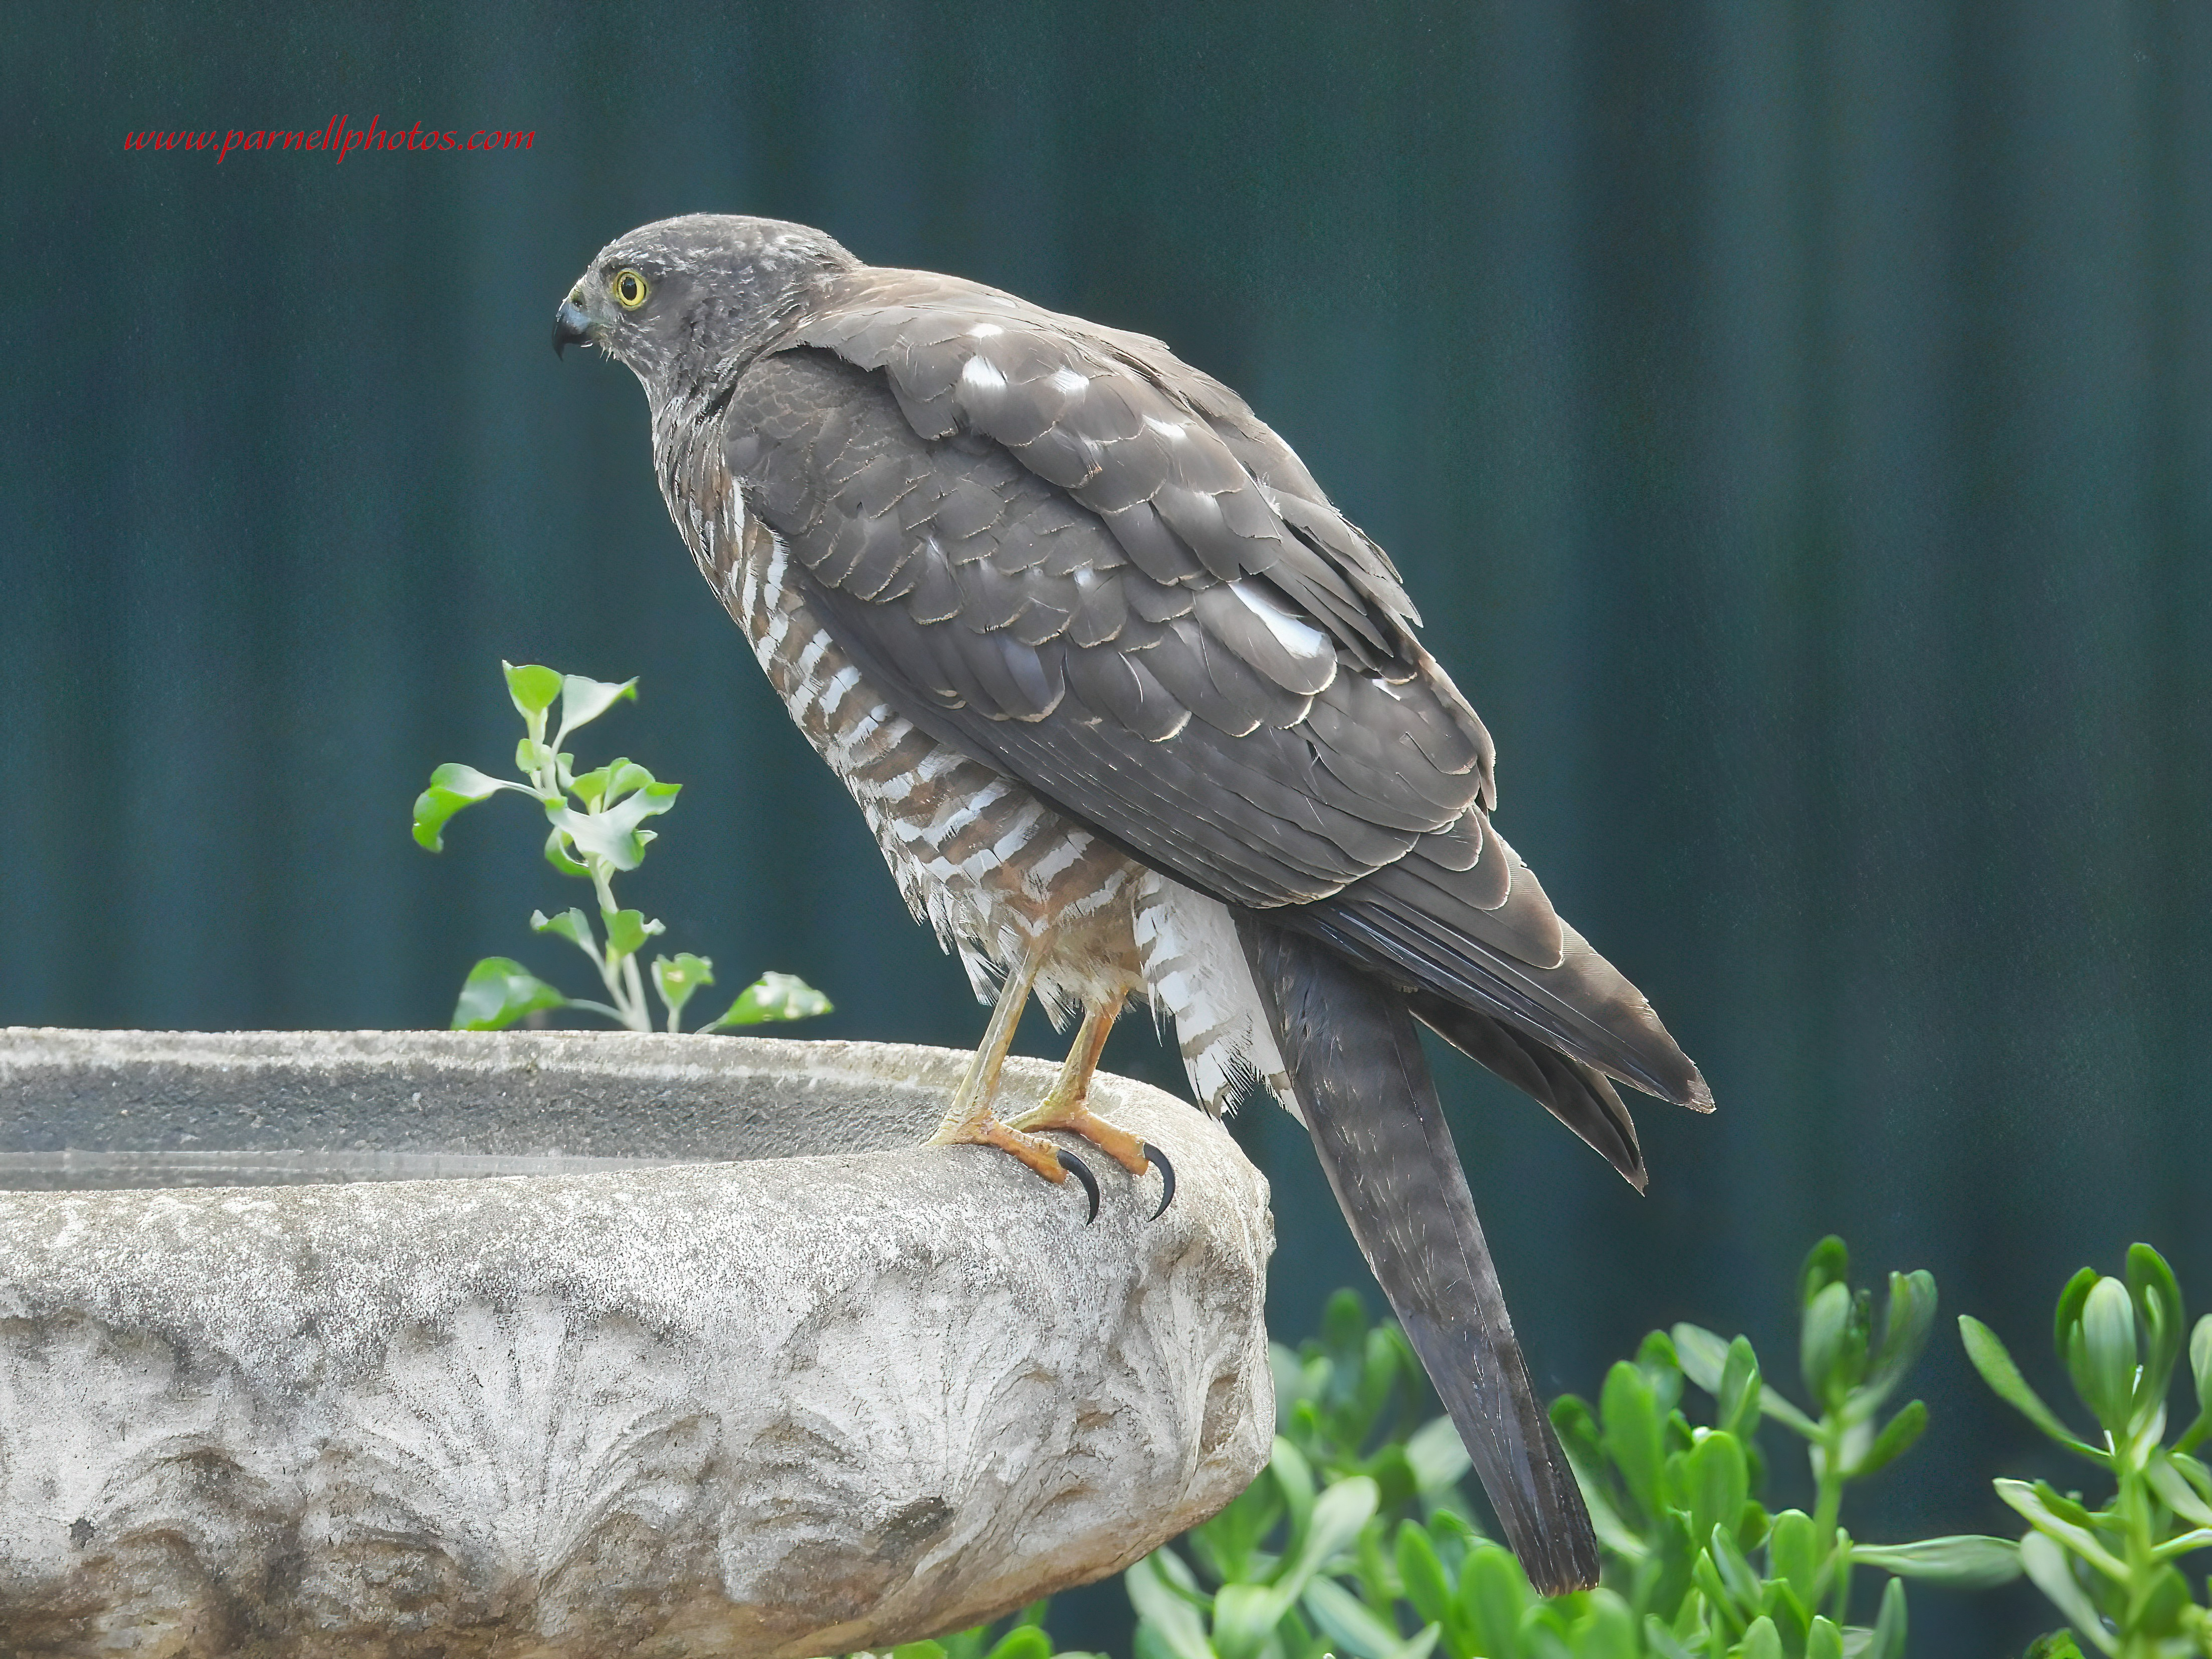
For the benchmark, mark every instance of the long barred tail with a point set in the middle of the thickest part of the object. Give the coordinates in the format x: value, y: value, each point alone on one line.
x: 1353, y: 1057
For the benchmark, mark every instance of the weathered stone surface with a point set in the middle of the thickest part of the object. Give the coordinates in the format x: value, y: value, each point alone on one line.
x: 840, y: 1393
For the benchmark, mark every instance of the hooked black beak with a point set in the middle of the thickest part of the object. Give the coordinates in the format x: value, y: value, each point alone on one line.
x: 570, y: 324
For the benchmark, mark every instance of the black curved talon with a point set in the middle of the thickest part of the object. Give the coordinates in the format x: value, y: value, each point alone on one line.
x: 1076, y: 1167
x: 1154, y: 1155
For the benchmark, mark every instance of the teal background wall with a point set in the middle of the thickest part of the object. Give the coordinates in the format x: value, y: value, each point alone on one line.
x: 1795, y: 420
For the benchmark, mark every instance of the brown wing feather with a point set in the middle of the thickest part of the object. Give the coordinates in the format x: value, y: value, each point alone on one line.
x: 1185, y: 721
x: 1157, y: 449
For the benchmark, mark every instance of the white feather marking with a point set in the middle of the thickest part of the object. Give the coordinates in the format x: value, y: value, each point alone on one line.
x: 1017, y: 833
x: 937, y: 762
x: 965, y: 807
x: 1298, y: 637
x: 808, y: 659
x: 981, y: 374
x: 1059, y: 856
x: 1173, y: 431
x: 867, y: 726
x: 1070, y: 382
x: 832, y: 693
x: 1194, y: 967
x: 985, y: 331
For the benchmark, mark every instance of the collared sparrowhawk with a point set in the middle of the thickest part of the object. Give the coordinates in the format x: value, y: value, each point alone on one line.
x: 1134, y: 711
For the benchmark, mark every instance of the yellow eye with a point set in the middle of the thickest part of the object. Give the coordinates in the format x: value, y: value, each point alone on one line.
x: 630, y: 289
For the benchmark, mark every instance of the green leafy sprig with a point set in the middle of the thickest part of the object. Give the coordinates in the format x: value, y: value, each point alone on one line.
x: 2114, y: 1571
x: 1850, y: 1372
x: 1359, y: 1541
x: 597, y: 832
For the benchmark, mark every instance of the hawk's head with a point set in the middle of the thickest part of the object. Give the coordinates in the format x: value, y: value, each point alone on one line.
x: 682, y: 301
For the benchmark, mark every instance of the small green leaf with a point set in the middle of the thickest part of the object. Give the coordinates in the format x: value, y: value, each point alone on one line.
x: 556, y: 855
x: 1889, y: 1625
x: 2059, y: 1645
x: 1024, y: 1641
x: 1607, y: 1629
x: 1293, y: 1477
x: 1670, y: 1565
x: 2176, y: 1493
x: 1663, y: 1641
x: 1828, y: 1262
x: 2194, y: 1473
x: 1821, y: 1340
x: 531, y: 755
x: 2061, y: 1504
x: 572, y: 925
x: 1422, y: 1574
x: 1735, y: 1570
x: 1964, y: 1562
x: 676, y: 979
x: 773, y: 997
x: 1996, y: 1364
x: 2158, y: 1304
x: 1762, y: 1640
x: 2187, y: 1543
x: 1895, y: 1439
x: 1728, y: 1614
x: 584, y: 701
x: 497, y: 992
x: 1164, y: 1612
x: 1493, y: 1595
x: 453, y: 786
x: 627, y: 933
x: 2071, y: 1301
x: 2045, y: 1564
x: 1736, y: 1401
x: 1793, y: 1554
x: 2160, y: 1604
x: 1906, y: 1323
x: 1662, y: 1368
x: 2049, y: 1520
x: 1823, y: 1641
x: 1340, y: 1615
x: 588, y: 787
x: 1703, y: 1356
x: 532, y: 689
x: 1791, y: 1617
x: 1753, y: 1523
x: 2200, y: 1362
x: 2102, y: 1353
x: 1631, y: 1434
x: 1719, y: 1482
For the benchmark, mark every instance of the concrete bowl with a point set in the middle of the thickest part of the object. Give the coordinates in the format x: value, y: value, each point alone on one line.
x: 552, y: 1343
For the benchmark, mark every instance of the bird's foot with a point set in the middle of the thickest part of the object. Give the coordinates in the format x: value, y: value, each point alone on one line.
x: 1077, y: 1118
x: 1050, y: 1161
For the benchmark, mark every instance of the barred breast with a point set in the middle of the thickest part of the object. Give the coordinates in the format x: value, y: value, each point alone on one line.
x: 995, y: 871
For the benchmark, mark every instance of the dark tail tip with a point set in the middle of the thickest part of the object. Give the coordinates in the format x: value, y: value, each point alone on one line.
x: 1356, y: 1063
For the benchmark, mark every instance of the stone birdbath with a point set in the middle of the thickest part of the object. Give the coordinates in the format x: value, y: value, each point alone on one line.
x: 552, y: 1343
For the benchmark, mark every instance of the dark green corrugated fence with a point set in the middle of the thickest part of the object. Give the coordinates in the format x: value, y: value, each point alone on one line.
x: 1796, y: 421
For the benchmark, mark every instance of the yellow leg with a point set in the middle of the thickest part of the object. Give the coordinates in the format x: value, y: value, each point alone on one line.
x: 1067, y: 1105
x: 969, y: 1119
